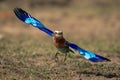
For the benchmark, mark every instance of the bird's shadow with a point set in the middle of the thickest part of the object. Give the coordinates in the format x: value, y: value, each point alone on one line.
x: 110, y: 75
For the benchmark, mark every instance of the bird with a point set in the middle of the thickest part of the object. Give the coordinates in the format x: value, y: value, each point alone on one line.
x: 59, y: 41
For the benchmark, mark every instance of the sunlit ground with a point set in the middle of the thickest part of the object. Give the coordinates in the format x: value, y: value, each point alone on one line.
x: 28, y: 53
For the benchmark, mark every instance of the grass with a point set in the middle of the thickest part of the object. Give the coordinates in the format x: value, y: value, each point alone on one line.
x: 28, y: 54
x: 24, y: 57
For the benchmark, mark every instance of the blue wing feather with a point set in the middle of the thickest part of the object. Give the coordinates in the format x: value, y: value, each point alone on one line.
x: 86, y: 54
x: 27, y: 18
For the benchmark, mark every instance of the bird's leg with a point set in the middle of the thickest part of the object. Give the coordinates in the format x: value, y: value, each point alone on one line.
x: 65, y: 57
x: 56, y: 56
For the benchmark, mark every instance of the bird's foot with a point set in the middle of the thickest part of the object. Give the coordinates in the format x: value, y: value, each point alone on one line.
x: 56, y: 57
x: 65, y: 57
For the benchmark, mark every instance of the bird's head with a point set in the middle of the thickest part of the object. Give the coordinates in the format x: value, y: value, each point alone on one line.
x: 58, y: 34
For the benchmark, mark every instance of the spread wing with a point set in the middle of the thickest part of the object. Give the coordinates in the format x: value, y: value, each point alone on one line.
x: 86, y: 54
x: 27, y: 18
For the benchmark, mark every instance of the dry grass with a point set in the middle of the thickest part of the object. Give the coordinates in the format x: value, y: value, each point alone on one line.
x: 28, y: 54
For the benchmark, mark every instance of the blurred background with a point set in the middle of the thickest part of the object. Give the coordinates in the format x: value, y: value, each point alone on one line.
x: 92, y: 24
x: 26, y: 53
x: 84, y: 18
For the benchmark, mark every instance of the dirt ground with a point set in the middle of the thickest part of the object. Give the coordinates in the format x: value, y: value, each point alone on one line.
x: 26, y: 53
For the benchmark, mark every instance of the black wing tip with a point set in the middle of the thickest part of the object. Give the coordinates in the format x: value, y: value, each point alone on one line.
x: 19, y: 10
x: 16, y: 8
x: 20, y: 13
x: 104, y: 59
x: 99, y: 60
x: 108, y: 60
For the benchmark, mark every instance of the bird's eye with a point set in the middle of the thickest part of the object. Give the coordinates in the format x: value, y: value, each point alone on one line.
x: 60, y: 33
x: 55, y: 32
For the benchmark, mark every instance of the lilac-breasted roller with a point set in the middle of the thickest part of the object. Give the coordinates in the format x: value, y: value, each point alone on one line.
x: 59, y: 41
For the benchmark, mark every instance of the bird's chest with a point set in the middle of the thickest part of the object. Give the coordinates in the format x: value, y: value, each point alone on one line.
x: 59, y: 42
